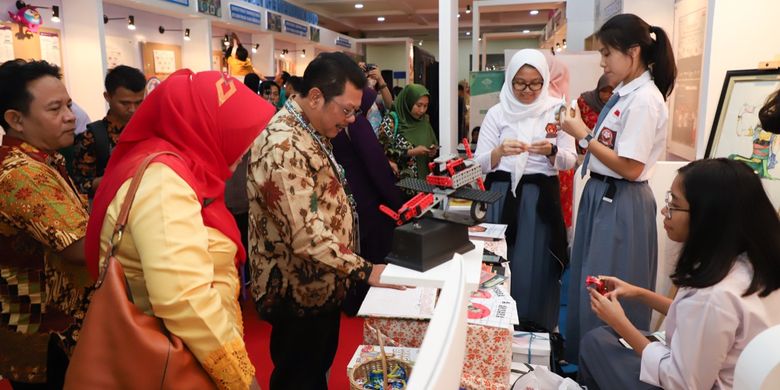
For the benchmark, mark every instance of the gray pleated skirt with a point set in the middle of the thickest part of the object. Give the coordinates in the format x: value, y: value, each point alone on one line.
x: 605, y: 364
x: 618, y: 239
x: 494, y: 210
x: 535, y: 286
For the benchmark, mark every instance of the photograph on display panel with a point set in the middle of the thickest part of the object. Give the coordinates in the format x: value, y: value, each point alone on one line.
x: 736, y: 132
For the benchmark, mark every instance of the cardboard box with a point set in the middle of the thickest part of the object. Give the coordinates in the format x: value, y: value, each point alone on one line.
x: 531, y: 348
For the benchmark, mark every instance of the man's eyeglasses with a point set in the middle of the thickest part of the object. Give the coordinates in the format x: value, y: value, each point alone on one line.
x: 347, y: 112
x: 533, y: 86
x: 669, y: 208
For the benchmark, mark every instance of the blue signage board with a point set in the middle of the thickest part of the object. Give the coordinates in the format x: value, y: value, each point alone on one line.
x: 295, y: 28
x: 245, y: 15
x: 185, y: 3
x: 343, y: 42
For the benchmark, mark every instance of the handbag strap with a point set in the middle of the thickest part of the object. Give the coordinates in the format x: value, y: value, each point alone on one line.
x: 124, y: 212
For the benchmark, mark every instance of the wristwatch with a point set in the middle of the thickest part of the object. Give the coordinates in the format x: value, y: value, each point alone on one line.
x: 553, y: 150
x: 585, y: 141
x: 381, y: 87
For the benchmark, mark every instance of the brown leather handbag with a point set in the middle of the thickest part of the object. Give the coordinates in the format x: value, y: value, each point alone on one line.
x: 121, y: 347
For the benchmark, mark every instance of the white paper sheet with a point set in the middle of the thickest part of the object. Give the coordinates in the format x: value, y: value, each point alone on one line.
x: 50, y: 48
x: 164, y: 61
x: 412, y: 303
x: 6, y: 44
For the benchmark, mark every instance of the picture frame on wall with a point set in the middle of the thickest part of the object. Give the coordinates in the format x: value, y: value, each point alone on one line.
x: 736, y: 131
x: 274, y: 22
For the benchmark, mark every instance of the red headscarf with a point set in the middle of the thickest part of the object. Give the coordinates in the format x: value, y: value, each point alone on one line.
x: 208, y: 119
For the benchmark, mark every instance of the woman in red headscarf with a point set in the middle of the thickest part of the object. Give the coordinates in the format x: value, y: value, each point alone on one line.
x: 181, y: 244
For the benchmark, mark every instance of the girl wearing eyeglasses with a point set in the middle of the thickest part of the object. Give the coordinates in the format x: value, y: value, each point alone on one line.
x: 521, y: 149
x: 616, y: 231
x: 728, y: 280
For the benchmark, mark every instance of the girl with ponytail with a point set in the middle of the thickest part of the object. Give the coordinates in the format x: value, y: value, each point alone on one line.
x: 615, y: 230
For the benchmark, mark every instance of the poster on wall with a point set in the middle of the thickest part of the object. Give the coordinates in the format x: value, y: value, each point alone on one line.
x: 485, y: 90
x: 314, y: 34
x: 736, y: 132
x: 210, y: 7
x: 164, y: 61
x: 6, y: 44
x: 690, y: 26
x: 274, y: 22
x: 50, y: 48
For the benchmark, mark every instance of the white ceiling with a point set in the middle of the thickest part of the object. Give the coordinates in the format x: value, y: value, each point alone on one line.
x: 414, y: 18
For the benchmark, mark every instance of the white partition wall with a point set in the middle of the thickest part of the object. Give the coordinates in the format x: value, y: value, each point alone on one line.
x: 84, y: 58
x: 196, y: 53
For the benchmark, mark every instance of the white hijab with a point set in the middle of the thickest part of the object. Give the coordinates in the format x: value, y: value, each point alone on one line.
x: 526, y: 115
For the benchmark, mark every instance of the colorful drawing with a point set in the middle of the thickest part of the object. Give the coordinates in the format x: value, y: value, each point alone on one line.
x: 765, y: 144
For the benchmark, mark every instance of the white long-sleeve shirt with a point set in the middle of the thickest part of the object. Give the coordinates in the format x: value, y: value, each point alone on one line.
x: 707, y: 329
x: 496, y: 129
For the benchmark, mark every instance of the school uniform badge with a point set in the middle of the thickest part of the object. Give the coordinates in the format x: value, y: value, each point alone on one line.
x: 552, y: 130
x: 607, y: 137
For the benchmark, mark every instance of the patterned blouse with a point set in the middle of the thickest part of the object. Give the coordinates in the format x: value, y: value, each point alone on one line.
x: 40, y: 215
x: 301, y: 243
x: 397, y: 149
x: 85, y: 156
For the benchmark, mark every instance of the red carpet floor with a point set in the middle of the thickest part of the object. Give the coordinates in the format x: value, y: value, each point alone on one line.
x: 257, y: 335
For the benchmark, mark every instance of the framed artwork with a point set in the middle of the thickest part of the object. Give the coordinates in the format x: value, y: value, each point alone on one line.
x: 736, y: 131
x: 274, y: 22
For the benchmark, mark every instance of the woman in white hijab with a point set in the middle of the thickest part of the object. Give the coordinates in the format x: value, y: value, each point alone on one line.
x: 521, y: 148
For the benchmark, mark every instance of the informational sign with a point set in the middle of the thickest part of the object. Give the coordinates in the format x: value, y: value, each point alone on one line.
x: 291, y: 27
x: 185, y: 3
x: 164, y: 61
x: 314, y: 34
x: 6, y: 44
x: 50, y: 48
x: 245, y: 15
x: 343, y: 42
x: 485, y: 90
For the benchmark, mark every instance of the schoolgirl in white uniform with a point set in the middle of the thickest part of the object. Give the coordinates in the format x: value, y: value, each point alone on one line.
x: 520, y: 139
x: 616, y: 223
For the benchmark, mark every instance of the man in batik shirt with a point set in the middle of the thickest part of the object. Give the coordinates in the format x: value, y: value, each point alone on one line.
x: 125, y: 91
x: 43, y: 280
x: 302, y: 224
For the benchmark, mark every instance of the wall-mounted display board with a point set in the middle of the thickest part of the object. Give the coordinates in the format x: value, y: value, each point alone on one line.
x: 44, y: 45
x: 160, y: 60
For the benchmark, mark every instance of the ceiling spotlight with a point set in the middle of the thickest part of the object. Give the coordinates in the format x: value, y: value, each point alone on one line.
x: 226, y: 40
x: 558, y: 47
x: 419, y: 43
x: 303, y: 53
x: 534, y: 12
x: 380, y: 19
x: 458, y: 15
x: 480, y: 39
x: 468, y: 32
x: 468, y: 9
x: 564, y: 43
x: 186, y: 34
x: 55, y: 13
x: 359, y: 6
x: 526, y: 31
x: 131, y: 22
x: 255, y: 47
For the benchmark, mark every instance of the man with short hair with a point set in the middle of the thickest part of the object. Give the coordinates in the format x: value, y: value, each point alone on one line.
x: 303, y: 224
x: 125, y: 90
x: 44, y: 285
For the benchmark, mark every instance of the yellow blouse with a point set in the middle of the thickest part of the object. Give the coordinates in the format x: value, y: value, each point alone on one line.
x: 237, y: 67
x: 187, y: 276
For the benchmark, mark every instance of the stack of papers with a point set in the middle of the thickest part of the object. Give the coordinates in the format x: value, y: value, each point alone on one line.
x: 412, y: 303
x: 488, y: 231
x: 493, y: 307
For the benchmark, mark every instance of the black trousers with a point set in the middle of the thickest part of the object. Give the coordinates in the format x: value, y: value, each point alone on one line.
x: 56, y: 365
x: 302, y: 350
